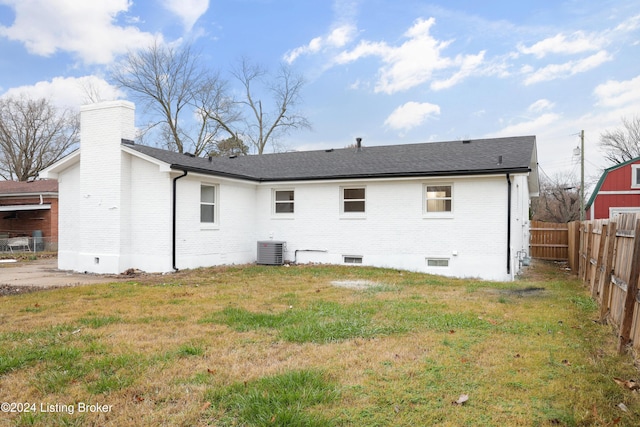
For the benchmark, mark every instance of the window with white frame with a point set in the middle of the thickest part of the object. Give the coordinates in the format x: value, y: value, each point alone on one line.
x: 438, y: 198
x: 635, y: 176
x: 283, y: 201
x: 353, y: 199
x: 208, y: 204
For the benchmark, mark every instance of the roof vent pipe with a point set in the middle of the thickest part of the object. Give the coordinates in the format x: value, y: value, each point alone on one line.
x: 358, y: 144
x: 499, y: 160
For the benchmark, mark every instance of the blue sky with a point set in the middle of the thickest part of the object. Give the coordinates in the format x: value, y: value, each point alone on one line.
x: 388, y: 71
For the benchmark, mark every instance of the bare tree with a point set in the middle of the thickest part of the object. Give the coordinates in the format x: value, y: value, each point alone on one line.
x: 33, y: 135
x: 622, y: 144
x: 559, y: 199
x: 264, y: 124
x: 187, y: 101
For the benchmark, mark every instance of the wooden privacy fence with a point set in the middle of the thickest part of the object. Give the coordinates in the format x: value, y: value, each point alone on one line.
x: 609, y: 265
x: 549, y: 241
x: 556, y: 242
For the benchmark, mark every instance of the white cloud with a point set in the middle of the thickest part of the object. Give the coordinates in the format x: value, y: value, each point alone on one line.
x: 84, y: 28
x: 189, y: 11
x: 69, y: 92
x: 618, y: 93
x: 630, y: 24
x: 540, y: 105
x: 337, y: 38
x: 578, y: 42
x: 570, y: 68
x: 411, y: 114
x: 531, y: 127
x: 469, y: 65
x: 340, y: 36
x: 364, y: 49
x: 526, y: 69
x: 343, y: 30
x: 413, y: 62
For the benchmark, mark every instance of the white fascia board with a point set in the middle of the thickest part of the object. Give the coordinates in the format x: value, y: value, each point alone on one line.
x: 214, y: 177
x: 357, y: 181
x: 162, y: 166
x: 66, y: 162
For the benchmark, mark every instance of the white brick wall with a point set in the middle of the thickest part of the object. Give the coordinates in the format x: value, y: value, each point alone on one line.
x: 102, y: 202
x: 394, y: 232
x: 116, y: 213
x: 520, y: 220
x: 69, y: 234
x: 232, y: 239
x: 149, y: 218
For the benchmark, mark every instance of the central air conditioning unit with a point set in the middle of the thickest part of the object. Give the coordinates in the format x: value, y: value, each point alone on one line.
x: 271, y: 252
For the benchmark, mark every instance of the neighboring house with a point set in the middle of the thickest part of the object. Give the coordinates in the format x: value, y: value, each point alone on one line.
x: 617, y: 191
x: 29, y: 209
x: 455, y: 208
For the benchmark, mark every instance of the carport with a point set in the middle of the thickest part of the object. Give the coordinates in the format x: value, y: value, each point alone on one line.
x: 28, y: 215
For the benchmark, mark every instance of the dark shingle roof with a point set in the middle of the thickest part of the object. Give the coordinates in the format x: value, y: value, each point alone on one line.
x: 475, y: 157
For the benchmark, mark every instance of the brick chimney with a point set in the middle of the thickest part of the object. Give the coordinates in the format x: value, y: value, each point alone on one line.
x: 103, y: 203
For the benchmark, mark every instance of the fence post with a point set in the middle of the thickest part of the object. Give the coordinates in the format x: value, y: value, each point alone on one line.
x: 595, y: 280
x: 587, y: 252
x: 607, y: 270
x: 632, y: 292
x: 581, y: 255
x: 573, y: 232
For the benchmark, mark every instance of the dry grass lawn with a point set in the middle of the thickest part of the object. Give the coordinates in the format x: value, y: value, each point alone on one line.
x: 255, y: 345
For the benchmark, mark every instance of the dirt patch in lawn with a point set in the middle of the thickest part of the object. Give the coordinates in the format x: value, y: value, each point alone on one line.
x: 354, y: 284
x: 529, y: 291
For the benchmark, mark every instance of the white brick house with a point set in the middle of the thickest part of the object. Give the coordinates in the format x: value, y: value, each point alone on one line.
x: 456, y: 208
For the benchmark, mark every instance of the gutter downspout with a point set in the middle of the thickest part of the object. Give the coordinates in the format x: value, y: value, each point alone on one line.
x: 173, y: 231
x: 508, y: 224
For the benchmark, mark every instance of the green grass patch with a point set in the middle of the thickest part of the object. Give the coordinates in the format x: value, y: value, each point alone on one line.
x: 258, y: 345
x: 111, y: 373
x: 22, y: 349
x: 191, y: 349
x: 320, y: 322
x: 584, y: 303
x: 279, y: 400
x: 95, y: 321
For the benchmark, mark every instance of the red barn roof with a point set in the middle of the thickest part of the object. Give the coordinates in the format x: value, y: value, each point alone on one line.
x: 617, y: 188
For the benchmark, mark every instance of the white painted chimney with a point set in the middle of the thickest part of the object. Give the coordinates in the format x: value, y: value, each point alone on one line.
x: 102, y: 189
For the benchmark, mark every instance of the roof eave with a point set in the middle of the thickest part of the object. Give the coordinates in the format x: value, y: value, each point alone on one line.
x: 212, y: 172
x: 399, y: 175
x: 354, y: 176
x: 52, y: 171
x: 162, y: 165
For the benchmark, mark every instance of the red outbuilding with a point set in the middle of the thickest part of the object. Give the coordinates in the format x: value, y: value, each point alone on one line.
x: 617, y: 191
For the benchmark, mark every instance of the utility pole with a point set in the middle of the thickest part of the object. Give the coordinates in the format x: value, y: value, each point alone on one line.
x: 582, y: 175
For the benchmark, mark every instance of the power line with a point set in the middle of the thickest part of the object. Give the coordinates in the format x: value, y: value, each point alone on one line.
x: 543, y: 172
